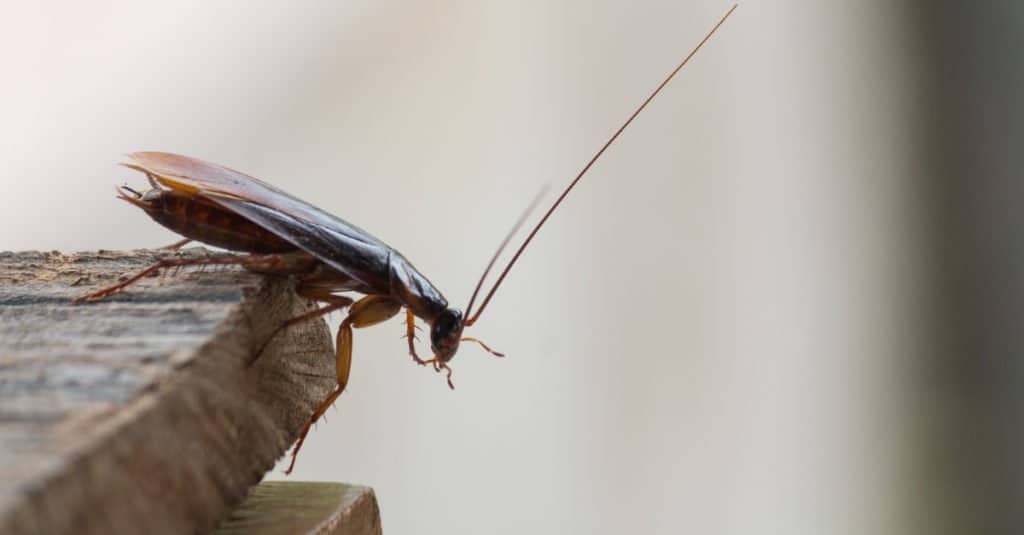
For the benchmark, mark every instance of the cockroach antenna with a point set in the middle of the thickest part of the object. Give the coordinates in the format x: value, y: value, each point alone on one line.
x: 471, y: 317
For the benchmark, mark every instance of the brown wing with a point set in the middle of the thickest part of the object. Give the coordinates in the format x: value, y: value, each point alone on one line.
x: 192, y: 176
x: 334, y: 241
x: 215, y: 182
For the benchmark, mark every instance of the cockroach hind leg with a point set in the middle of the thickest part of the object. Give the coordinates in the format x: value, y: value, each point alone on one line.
x: 312, y: 420
x: 369, y: 310
x: 178, y: 263
x: 336, y: 302
x: 177, y: 245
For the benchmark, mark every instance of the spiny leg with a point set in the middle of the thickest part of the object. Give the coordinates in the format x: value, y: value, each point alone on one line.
x: 410, y: 333
x: 334, y: 302
x: 177, y: 245
x: 309, y: 423
x: 178, y: 263
x: 365, y: 312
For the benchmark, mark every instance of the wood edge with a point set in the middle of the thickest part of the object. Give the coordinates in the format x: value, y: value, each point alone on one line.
x: 169, y: 460
x: 357, y: 514
x: 305, y: 508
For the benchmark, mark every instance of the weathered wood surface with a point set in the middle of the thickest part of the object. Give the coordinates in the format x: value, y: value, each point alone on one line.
x: 139, y: 412
x: 301, y: 508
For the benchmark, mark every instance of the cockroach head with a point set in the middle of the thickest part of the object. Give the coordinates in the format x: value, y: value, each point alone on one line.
x: 446, y: 333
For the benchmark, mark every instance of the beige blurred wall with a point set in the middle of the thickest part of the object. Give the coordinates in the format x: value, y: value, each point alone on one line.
x: 716, y: 333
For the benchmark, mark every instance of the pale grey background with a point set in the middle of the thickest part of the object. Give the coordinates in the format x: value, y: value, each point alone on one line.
x: 717, y: 334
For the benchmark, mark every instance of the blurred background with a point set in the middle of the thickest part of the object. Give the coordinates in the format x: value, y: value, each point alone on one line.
x: 784, y: 302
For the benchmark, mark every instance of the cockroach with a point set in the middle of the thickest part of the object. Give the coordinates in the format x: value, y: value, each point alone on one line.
x: 328, y: 256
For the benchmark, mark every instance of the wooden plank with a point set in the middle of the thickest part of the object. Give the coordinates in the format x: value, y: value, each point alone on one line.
x: 305, y: 508
x: 139, y: 412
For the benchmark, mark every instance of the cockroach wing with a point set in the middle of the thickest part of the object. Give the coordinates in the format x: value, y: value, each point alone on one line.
x: 327, y: 240
x: 193, y: 176
x: 338, y: 243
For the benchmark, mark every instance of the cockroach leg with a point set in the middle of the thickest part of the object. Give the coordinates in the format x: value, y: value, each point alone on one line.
x: 365, y: 312
x: 179, y: 263
x: 309, y: 424
x: 442, y: 365
x: 410, y: 333
x: 177, y: 245
x: 483, y: 345
x: 334, y: 302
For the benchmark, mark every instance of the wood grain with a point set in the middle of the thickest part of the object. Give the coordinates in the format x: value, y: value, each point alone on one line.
x: 305, y: 508
x: 139, y: 412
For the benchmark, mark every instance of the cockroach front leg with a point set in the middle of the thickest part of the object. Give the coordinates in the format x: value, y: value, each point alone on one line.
x: 410, y: 334
x: 248, y: 260
x: 486, y: 347
x: 441, y: 365
x: 367, y: 311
